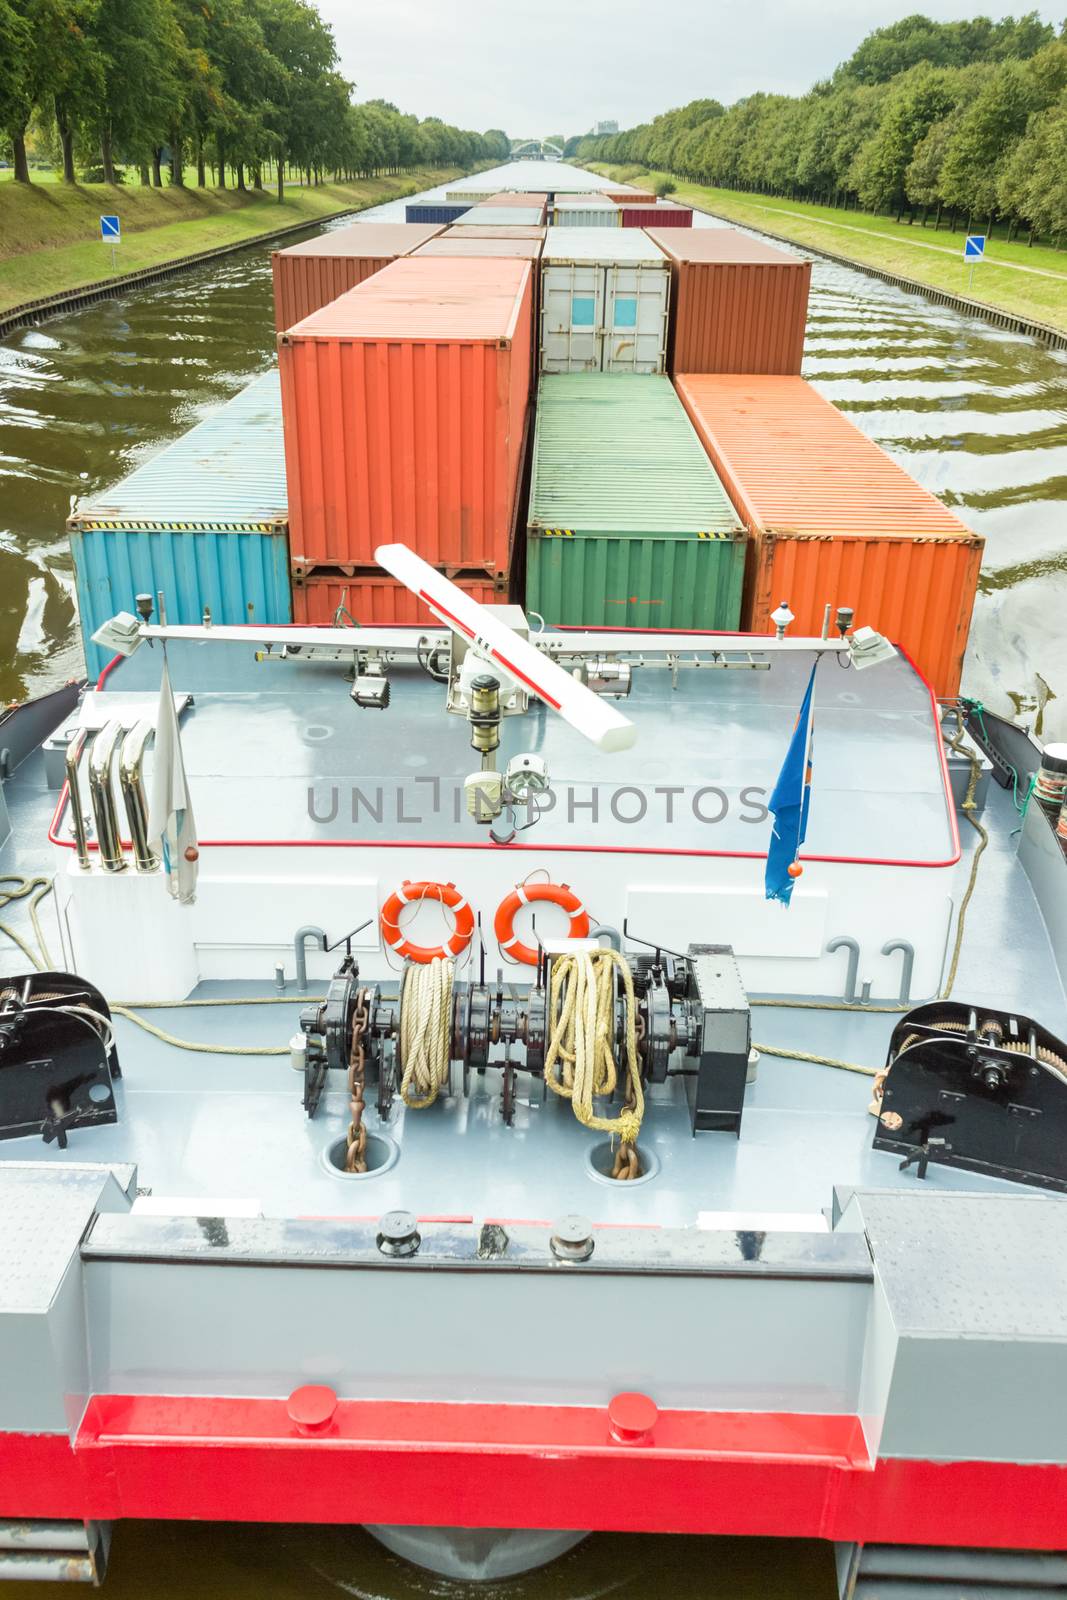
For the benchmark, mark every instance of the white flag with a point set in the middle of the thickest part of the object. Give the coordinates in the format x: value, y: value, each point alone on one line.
x: 171, y: 828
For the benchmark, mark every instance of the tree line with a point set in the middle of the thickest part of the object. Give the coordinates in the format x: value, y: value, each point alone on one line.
x: 233, y: 86
x: 964, y: 118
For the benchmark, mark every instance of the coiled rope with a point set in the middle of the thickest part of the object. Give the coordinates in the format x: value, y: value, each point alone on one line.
x: 580, y: 1057
x: 36, y: 889
x: 425, y: 1031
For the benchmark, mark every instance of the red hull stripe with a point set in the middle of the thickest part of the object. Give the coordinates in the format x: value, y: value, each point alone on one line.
x: 755, y: 1474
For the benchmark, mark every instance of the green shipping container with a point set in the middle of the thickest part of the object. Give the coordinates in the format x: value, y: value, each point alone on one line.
x: 629, y: 524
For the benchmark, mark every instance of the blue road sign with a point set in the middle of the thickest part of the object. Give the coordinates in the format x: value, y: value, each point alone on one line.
x: 110, y: 229
x: 974, y: 249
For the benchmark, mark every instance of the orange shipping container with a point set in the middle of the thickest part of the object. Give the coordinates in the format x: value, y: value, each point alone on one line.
x: 836, y: 521
x: 736, y: 305
x: 311, y: 274
x: 375, y: 600
x: 404, y: 405
x: 631, y: 197
x: 461, y: 244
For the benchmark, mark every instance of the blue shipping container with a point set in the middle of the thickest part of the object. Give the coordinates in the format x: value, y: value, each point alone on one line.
x: 205, y: 520
x: 440, y: 211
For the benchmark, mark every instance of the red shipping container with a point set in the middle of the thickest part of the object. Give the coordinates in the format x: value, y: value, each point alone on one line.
x: 376, y: 600
x: 835, y: 521
x: 311, y: 274
x: 404, y: 404
x: 737, y: 305
x: 664, y: 215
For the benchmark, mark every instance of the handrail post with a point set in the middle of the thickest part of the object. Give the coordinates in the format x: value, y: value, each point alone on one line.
x: 75, y: 750
x: 131, y: 764
x: 102, y: 794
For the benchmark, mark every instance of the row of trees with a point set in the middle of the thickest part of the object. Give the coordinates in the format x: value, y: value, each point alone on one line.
x: 232, y: 84
x: 965, y: 117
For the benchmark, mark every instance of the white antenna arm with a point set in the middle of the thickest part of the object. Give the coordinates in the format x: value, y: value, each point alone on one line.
x: 594, y: 718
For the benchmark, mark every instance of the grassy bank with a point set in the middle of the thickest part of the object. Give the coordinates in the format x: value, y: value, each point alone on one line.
x: 50, y: 233
x: 1030, y: 282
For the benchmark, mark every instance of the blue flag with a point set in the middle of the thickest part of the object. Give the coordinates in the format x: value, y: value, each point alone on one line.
x: 790, y: 801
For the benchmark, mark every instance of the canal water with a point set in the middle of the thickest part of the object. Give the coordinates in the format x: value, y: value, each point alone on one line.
x: 976, y: 414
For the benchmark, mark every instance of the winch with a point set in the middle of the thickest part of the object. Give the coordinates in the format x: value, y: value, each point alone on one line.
x: 968, y: 1086
x: 657, y: 1015
x: 57, y: 1057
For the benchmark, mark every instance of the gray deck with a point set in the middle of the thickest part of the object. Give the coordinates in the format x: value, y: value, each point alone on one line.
x: 291, y: 731
x: 233, y: 1128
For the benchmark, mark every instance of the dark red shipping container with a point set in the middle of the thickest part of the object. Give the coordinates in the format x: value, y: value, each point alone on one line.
x: 663, y: 215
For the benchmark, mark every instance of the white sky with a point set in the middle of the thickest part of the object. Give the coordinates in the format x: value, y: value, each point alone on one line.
x: 536, y: 67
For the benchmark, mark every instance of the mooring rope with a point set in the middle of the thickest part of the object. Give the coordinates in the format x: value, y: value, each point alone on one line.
x: 425, y: 1031
x: 580, y: 1057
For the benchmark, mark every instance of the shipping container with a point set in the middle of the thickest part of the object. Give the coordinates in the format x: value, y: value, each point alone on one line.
x: 436, y: 211
x: 664, y: 214
x: 494, y: 230
x: 631, y: 197
x: 835, y: 521
x: 456, y: 244
x: 311, y: 274
x: 629, y: 525
x: 404, y: 404
x: 373, y: 599
x: 605, y: 296
x: 537, y: 201
x: 467, y: 197
x: 502, y: 217
x: 204, y: 520
x: 738, y: 305
x: 585, y: 211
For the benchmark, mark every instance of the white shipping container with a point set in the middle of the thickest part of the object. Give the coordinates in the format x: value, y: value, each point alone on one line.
x: 605, y: 300
x: 586, y: 211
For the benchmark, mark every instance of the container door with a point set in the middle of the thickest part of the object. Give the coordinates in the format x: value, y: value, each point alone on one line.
x: 572, y: 309
x: 635, y: 317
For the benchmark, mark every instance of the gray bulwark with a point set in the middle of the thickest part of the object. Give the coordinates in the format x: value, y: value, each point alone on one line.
x: 966, y: 1353
x: 43, y: 1353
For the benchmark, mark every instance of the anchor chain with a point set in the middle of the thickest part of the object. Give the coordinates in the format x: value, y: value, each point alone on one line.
x: 356, y: 1152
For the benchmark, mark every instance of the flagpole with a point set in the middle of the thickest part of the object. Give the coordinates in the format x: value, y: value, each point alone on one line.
x: 805, y: 791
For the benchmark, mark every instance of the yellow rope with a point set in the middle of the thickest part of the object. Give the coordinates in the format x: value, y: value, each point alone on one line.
x: 37, y: 888
x: 580, y: 1058
x: 426, y: 1031
x: 192, y: 1044
x: 968, y: 809
x: 820, y: 1061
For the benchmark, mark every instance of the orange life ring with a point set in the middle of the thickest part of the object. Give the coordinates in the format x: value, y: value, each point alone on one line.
x: 557, y: 894
x: 449, y: 896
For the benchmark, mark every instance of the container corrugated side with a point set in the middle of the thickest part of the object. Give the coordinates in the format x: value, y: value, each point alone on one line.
x: 240, y: 577
x: 631, y: 197
x: 494, y: 230
x: 836, y: 521
x: 375, y: 600
x: 739, y: 305
x: 663, y: 215
x: 456, y: 245
x: 525, y: 201
x: 436, y: 211
x: 311, y: 274
x: 467, y: 197
x: 616, y: 465
x: 405, y: 405
x: 585, y: 212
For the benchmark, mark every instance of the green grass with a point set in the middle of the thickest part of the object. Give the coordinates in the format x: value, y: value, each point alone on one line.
x: 50, y: 232
x: 1013, y: 277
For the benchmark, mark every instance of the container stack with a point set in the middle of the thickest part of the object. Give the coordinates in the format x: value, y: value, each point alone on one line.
x: 311, y: 274
x: 835, y: 521
x: 629, y: 525
x: 502, y: 217
x: 405, y: 406
x: 605, y: 295
x: 203, y: 521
